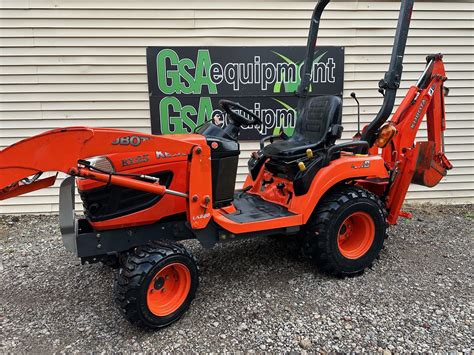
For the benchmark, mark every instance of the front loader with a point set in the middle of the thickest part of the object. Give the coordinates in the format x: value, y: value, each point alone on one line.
x: 144, y: 193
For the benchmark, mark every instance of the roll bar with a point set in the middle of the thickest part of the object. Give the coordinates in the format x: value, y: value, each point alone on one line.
x: 309, y: 57
x: 391, y: 81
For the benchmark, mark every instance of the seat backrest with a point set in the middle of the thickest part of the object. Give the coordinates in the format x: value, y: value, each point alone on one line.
x: 317, y: 116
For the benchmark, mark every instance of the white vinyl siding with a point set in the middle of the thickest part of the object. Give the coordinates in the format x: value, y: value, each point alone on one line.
x: 82, y: 62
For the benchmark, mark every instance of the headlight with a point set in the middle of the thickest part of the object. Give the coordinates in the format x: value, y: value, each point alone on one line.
x: 102, y: 164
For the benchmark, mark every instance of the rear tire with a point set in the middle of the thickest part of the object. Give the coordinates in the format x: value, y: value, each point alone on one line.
x: 156, y: 284
x: 346, y: 231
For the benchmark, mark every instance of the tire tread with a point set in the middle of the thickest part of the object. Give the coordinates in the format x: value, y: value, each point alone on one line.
x: 315, y: 244
x: 129, y: 279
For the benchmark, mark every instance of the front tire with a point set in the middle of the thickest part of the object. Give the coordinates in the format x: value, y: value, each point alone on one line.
x: 156, y: 284
x: 346, y: 231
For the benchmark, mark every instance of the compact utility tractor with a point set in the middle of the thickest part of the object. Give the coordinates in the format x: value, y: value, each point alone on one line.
x: 144, y: 193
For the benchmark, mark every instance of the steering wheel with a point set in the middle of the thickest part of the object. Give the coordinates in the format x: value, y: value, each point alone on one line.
x: 230, y: 106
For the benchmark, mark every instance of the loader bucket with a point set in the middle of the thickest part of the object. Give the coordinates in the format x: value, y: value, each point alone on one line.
x: 52, y: 151
x: 60, y: 150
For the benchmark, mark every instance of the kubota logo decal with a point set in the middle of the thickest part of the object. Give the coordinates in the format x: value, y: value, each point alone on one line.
x: 418, y: 114
x: 134, y: 141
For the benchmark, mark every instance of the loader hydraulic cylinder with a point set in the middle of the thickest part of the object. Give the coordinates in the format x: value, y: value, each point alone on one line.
x: 124, y: 181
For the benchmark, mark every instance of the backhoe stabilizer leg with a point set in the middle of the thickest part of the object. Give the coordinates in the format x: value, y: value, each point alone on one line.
x: 401, y: 183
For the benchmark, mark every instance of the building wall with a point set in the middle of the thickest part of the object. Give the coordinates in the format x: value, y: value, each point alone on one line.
x: 82, y: 62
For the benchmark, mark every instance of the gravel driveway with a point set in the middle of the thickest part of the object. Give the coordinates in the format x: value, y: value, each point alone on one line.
x: 254, y: 295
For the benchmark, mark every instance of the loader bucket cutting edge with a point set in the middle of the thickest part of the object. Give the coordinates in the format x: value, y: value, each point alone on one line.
x: 19, y: 188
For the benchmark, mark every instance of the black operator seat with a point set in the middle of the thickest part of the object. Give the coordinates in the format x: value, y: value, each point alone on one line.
x: 318, y: 126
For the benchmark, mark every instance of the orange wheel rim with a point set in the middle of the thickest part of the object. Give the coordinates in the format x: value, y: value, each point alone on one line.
x: 168, y: 289
x: 356, y: 235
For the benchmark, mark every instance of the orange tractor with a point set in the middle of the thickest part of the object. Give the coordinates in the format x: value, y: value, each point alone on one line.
x: 144, y: 193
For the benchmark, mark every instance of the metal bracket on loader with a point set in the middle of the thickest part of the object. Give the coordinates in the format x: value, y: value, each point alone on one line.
x: 89, y: 244
x: 67, y: 215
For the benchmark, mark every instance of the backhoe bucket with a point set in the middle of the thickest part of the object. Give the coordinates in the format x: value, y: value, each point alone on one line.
x: 428, y: 172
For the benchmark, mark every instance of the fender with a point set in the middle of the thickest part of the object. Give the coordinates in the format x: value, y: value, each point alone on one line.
x: 339, y: 170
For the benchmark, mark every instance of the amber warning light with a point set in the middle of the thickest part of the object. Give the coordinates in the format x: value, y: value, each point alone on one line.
x: 385, y: 135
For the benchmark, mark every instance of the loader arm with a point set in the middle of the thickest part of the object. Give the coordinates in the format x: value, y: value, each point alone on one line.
x: 59, y: 150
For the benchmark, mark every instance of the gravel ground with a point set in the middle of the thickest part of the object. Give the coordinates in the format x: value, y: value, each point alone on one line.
x: 254, y: 295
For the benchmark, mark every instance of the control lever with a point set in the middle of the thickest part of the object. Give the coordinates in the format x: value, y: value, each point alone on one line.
x: 358, y: 135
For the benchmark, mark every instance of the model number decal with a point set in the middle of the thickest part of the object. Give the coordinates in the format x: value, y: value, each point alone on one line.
x: 201, y: 216
x: 136, y: 160
x: 134, y: 141
x: 364, y: 165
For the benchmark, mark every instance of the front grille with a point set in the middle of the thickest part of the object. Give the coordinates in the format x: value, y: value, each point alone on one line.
x: 112, y: 201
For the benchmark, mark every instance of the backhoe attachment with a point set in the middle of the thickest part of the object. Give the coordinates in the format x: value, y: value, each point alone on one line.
x: 422, y: 163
